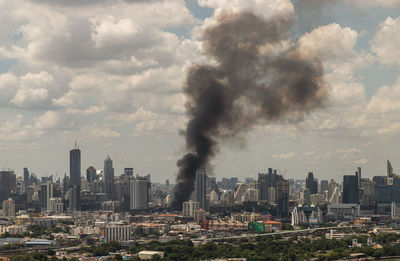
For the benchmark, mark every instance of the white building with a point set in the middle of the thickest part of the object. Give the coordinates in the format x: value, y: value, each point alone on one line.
x: 139, y: 193
x: 117, y: 233
x: 55, y: 205
x: 306, y: 215
x: 189, y: 207
x: 272, y: 194
x: 8, y: 208
x: 251, y: 195
x: 149, y: 254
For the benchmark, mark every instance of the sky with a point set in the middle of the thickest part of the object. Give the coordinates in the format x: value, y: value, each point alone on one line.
x: 109, y: 75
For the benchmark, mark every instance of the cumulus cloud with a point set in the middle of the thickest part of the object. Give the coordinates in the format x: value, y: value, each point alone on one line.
x: 386, y: 41
x: 262, y: 7
x: 15, y: 130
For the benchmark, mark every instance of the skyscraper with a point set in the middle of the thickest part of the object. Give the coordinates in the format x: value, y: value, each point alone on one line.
x: 6, y: 180
x: 45, y: 194
x: 311, y: 183
x: 350, y: 189
x: 139, y: 193
x: 283, y: 197
x: 200, y: 188
x: 109, y: 178
x: 91, y: 174
x: 75, y: 177
x: 26, y: 177
x: 324, y: 186
x: 389, y: 170
x: 359, y: 177
x: 265, y: 182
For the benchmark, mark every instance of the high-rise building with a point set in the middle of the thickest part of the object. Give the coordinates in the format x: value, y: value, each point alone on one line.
x: 139, y: 193
x: 266, y: 181
x: 368, y: 194
x: 389, y: 170
x: 45, y: 194
x: 359, y: 177
x: 189, y: 207
x: 75, y: 177
x: 306, y: 197
x: 74, y: 198
x: 8, y: 208
x: 200, y: 188
x: 324, y: 186
x: 109, y: 178
x: 6, y: 184
x: 350, y: 189
x: 55, y: 205
x: 283, y: 197
x: 331, y: 189
x: 26, y: 177
x: 311, y: 183
x: 91, y: 174
x: 239, y: 192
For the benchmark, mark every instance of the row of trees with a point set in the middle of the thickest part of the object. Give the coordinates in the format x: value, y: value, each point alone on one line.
x: 260, y: 248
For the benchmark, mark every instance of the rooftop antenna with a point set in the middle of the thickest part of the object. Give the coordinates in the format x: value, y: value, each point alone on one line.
x: 76, y: 143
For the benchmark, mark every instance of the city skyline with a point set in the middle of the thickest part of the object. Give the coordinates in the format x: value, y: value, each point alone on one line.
x: 123, y: 97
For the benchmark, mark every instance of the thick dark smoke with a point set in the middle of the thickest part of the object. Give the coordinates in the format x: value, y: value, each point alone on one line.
x: 255, y: 80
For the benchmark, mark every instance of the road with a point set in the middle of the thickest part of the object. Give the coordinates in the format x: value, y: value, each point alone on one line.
x: 311, y: 230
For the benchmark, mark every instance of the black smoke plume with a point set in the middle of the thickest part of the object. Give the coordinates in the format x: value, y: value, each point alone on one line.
x: 256, y: 79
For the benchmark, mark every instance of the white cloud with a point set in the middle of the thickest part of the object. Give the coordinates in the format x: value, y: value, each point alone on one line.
x: 54, y: 120
x: 386, y: 41
x: 8, y: 87
x: 15, y: 130
x: 285, y: 156
x: 262, y: 7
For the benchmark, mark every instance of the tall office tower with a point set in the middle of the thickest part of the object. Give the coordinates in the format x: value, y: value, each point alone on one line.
x: 324, y: 186
x: 359, y: 177
x: 26, y: 177
x: 200, y: 188
x: 65, y: 185
x: 306, y: 197
x: 6, y: 181
x: 368, y: 194
x: 266, y: 181
x: 282, y: 192
x: 8, y: 208
x: 350, y: 189
x: 139, y: 193
x: 75, y: 178
x: 109, y: 178
x: 91, y: 174
x: 331, y: 189
x: 167, y: 182
x: 45, y: 193
x: 311, y: 183
x: 74, y: 198
x: 389, y: 170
